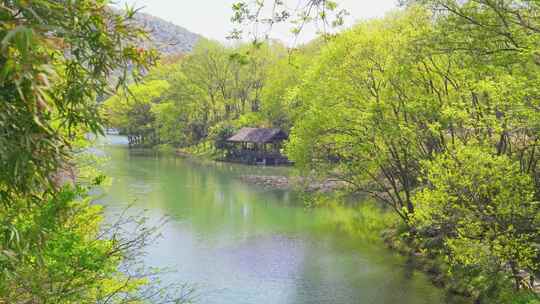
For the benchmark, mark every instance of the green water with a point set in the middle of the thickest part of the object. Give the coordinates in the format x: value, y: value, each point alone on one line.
x: 238, y: 243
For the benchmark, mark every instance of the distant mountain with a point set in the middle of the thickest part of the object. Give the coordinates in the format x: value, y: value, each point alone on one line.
x: 167, y: 37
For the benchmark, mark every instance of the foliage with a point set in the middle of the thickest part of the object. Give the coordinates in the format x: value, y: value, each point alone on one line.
x: 135, y: 111
x: 211, y: 87
x: 57, y: 59
x: 479, y: 211
x: 267, y: 13
x: 220, y: 134
x: 364, y: 117
x: 62, y: 252
x: 279, y: 107
x: 385, y: 101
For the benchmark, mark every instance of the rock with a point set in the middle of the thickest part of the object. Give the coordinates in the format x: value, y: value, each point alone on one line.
x: 283, y: 182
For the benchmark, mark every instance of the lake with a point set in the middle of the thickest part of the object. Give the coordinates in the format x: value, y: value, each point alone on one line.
x: 239, y: 243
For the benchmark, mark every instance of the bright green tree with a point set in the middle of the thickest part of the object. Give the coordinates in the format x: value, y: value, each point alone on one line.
x: 479, y: 211
x: 365, y: 115
x: 132, y: 111
x: 57, y: 58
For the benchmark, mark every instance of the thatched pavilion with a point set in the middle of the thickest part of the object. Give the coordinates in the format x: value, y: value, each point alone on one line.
x: 258, y: 146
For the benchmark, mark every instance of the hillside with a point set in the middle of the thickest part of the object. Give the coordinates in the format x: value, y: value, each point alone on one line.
x: 168, y: 37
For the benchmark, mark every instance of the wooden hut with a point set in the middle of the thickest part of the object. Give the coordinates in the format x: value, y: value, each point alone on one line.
x: 258, y: 146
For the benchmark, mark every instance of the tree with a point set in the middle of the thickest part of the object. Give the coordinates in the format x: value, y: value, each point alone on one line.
x: 279, y: 107
x: 497, y: 41
x: 366, y: 117
x: 215, y: 86
x: 479, y: 210
x: 503, y: 27
x: 261, y: 16
x: 133, y: 111
x: 390, y: 96
x: 57, y: 58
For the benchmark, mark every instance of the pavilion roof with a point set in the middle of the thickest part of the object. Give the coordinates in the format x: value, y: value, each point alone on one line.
x: 258, y: 135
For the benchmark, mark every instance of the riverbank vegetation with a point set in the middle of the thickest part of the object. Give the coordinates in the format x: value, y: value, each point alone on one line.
x: 57, y: 58
x: 206, y: 95
x: 432, y: 111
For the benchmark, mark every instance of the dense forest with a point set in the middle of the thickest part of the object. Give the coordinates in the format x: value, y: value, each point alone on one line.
x: 432, y: 111
x: 196, y: 98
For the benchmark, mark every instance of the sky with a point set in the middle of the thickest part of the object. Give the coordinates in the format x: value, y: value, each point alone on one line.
x: 211, y: 18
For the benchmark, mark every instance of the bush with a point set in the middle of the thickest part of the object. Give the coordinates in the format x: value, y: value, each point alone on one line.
x: 480, y: 209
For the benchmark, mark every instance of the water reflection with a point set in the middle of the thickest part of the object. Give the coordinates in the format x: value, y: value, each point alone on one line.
x: 243, y: 244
